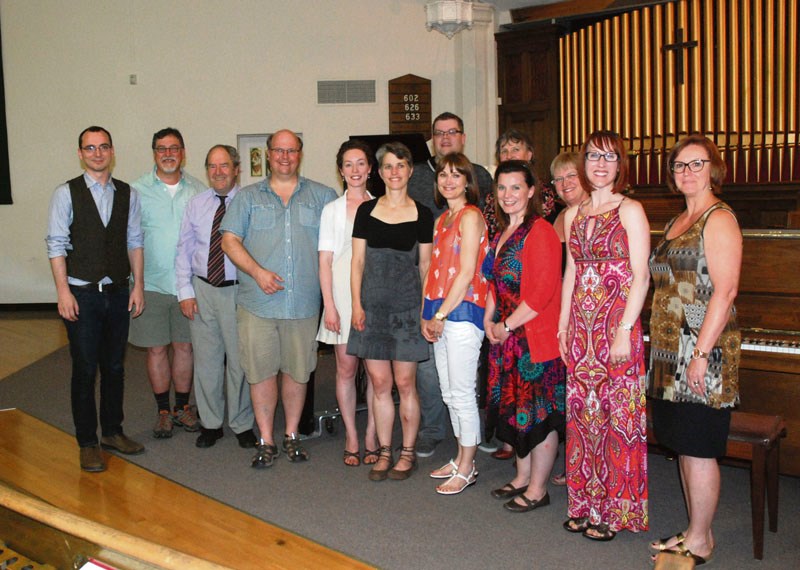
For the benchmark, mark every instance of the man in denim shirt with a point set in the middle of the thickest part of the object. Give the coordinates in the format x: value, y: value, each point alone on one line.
x: 270, y: 232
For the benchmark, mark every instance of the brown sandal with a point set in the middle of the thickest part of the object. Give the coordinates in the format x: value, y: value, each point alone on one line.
x: 352, y: 455
x: 371, y: 456
x: 406, y: 454
x: 384, y: 452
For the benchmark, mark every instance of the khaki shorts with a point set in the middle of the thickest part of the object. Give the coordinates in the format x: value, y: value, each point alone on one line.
x: 161, y: 323
x: 269, y: 346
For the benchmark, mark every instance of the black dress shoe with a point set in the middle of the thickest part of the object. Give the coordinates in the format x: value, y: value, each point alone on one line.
x: 247, y: 439
x: 208, y: 437
x: 508, y: 491
x: 528, y: 505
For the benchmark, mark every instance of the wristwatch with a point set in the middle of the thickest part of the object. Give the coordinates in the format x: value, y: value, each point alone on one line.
x: 506, y: 327
x: 440, y: 316
x: 626, y: 326
x: 697, y: 353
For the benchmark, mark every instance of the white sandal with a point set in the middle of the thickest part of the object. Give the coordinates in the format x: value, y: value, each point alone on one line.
x: 468, y: 481
x: 453, y: 470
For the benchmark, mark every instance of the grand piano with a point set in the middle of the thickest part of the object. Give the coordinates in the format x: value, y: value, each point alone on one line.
x: 768, y: 304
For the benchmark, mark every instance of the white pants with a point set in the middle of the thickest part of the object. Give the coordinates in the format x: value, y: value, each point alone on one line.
x: 457, y: 355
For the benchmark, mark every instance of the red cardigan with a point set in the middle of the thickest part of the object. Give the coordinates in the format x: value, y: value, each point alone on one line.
x: 541, y: 289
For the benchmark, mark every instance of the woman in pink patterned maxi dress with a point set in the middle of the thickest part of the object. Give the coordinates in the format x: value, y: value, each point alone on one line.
x: 600, y: 336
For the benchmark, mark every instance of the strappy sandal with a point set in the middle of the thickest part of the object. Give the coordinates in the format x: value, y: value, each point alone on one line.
x: 409, y: 455
x: 661, y: 545
x: 576, y: 524
x: 384, y: 452
x: 265, y: 456
x: 468, y: 479
x: 352, y: 455
x: 599, y: 532
x: 293, y: 448
x: 453, y: 469
x: 680, y: 549
x: 371, y: 456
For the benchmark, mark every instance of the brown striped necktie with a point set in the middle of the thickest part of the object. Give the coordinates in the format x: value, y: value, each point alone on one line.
x: 216, y: 259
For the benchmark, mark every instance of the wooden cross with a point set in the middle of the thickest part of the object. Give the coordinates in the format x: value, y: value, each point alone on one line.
x: 678, y: 46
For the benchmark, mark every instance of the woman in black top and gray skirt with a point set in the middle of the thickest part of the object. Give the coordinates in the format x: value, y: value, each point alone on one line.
x: 392, y: 239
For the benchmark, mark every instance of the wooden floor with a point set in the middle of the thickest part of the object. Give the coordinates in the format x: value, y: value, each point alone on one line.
x: 27, y: 337
x: 43, y: 461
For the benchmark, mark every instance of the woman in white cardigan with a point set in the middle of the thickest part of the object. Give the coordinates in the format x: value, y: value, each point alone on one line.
x: 354, y: 161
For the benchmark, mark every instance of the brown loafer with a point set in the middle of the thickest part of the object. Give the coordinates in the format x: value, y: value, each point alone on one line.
x: 122, y: 443
x: 503, y: 454
x: 92, y: 459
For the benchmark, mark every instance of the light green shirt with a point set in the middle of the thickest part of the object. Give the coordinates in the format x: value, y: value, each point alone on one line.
x: 161, y: 224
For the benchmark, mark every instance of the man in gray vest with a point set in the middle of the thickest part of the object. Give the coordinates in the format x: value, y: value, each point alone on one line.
x: 94, y: 243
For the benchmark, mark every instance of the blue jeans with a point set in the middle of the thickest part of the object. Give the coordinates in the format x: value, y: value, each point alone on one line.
x: 433, y: 412
x: 98, y: 337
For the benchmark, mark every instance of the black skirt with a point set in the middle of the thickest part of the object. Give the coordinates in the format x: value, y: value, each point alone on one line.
x: 691, y: 429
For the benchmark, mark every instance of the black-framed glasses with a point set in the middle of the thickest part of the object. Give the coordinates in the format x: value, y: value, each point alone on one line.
x: 174, y: 149
x: 594, y: 156
x: 91, y: 148
x: 694, y: 165
x: 563, y: 179
x: 450, y: 133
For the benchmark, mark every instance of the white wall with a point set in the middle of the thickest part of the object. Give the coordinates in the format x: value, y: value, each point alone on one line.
x: 212, y: 69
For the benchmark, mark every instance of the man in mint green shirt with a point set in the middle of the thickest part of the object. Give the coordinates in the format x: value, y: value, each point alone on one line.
x: 164, y: 193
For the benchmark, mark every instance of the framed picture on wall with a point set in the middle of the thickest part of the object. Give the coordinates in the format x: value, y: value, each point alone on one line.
x: 254, y: 156
x: 253, y: 153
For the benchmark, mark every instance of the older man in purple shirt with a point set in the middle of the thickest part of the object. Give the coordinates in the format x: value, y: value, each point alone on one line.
x: 207, y: 288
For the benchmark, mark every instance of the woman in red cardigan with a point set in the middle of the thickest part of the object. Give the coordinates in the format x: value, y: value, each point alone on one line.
x: 526, y: 373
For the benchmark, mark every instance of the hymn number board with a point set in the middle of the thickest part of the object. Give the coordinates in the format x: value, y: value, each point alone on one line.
x: 410, y: 105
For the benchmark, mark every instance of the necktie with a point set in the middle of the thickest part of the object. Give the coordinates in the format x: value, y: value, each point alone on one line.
x: 216, y: 259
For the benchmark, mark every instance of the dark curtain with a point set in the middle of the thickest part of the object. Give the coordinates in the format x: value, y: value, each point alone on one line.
x: 5, y: 178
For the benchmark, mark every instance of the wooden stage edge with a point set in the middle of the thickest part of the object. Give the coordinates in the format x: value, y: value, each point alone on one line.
x: 130, y: 510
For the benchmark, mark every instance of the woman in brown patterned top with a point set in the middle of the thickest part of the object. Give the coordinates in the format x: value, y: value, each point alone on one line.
x: 695, y: 342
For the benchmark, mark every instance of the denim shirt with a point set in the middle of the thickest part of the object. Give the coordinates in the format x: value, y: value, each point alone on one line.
x: 282, y: 239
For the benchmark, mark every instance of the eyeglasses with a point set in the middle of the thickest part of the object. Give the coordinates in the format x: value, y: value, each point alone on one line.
x: 287, y: 151
x: 91, y: 149
x: 594, y: 156
x: 450, y: 133
x: 562, y: 179
x: 171, y: 149
x: 694, y: 165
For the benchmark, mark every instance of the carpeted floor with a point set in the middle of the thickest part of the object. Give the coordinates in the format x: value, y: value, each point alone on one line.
x: 406, y: 524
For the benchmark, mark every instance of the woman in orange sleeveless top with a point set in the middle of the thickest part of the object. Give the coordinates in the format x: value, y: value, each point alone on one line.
x: 455, y: 297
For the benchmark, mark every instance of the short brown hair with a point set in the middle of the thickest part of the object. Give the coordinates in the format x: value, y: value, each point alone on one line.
x: 718, y: 168
x: 611, y: 142
x: 461, y: 164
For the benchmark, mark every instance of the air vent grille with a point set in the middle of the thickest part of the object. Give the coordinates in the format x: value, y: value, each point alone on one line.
x: 338, y: 92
